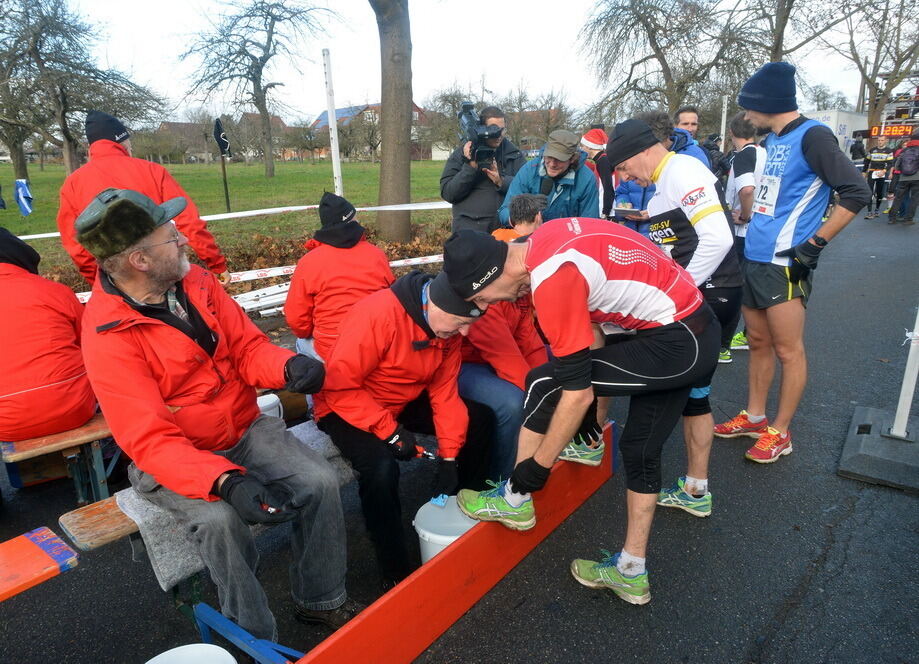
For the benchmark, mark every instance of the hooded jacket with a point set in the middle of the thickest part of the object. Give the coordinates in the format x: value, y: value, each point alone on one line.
x: 683, y: 143
x: 43, y: 384
x: 475, y: 198
x: 169, y: 404
x: 575, y: 194
x: 387, y: 359
x: 110, y: 166
x: 327, y: 282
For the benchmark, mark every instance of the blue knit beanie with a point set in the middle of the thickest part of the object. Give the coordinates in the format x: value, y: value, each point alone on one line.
x: 770, y: 90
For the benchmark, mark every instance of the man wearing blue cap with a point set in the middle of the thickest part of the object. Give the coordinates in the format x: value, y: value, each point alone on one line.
x: 784, y: 240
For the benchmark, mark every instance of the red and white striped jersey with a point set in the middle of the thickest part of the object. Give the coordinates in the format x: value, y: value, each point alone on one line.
x: 585, y: 271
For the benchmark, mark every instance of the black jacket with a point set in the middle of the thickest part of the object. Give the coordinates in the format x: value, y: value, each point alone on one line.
x: 475, y: 198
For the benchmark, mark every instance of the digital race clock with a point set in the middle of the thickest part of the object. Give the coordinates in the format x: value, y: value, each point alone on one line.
x: 892, y: 130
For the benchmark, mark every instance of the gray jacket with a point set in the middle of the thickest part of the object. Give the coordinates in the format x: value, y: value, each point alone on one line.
x: 475, y: 198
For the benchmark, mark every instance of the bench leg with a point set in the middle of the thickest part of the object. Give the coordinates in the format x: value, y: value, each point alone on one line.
x: 77, y: 472
x: 98, y: 481
x: 264, y: 651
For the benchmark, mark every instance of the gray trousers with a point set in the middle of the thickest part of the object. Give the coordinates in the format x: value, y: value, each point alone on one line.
x: 317, y: 571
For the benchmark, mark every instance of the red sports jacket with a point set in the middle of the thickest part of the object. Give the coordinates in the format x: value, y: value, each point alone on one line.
x: 110, y: 166
x: 43, y: 384
x: 383, y: 362
x: 328, y: 281
x: 170, y: 405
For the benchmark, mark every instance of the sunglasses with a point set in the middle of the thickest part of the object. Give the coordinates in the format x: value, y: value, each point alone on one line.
x: 176, y: 236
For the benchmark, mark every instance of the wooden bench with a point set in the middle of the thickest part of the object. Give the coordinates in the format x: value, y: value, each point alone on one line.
x: 32, y: 558
x: 81, y: 450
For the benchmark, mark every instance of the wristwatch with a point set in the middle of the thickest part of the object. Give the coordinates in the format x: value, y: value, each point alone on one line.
x: 819, y: 241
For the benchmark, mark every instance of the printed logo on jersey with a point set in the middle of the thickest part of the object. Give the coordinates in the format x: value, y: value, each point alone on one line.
x: 574, y: 226
x: 661, y: 232
x: 630, y: 256
x: 694, y: 197
x: 776, y: 159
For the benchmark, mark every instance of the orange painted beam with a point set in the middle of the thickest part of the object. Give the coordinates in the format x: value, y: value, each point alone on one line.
x: 32, y: 558
x: 444, y: 588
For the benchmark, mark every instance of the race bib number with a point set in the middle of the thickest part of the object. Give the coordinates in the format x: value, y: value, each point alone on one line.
x: 877, y: 175
x: 767, y: 194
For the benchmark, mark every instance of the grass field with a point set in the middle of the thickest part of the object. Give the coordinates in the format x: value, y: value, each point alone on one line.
x: 250, y: 242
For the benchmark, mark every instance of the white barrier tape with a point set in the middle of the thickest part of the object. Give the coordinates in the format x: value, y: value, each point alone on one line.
x: 249, y: 275
x: 432, y: 205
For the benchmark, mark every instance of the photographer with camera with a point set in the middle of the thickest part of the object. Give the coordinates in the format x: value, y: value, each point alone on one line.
x: 478, y: 173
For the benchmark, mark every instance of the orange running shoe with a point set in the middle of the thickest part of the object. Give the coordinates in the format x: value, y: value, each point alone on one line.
x: 770, y: 446
x: 741, y: 426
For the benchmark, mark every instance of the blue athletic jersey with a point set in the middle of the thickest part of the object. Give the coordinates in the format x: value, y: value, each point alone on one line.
x: 790, y: 199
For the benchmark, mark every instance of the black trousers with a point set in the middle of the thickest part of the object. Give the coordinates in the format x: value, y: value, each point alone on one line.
x: 656, y: 368
x: 725, y: 303
x: 378, y: 474
x: 878, y: 189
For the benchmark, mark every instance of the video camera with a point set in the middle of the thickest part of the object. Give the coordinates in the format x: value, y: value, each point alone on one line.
x: 474, y: 130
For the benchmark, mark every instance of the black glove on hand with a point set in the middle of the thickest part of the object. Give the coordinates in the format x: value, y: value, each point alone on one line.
x: 402, y: 444
x: 446, y: 480
x: 304, y: 374
x: 803, y: 259
x: 253, y: 500
x: 529, y: 476
x: 589, y: 432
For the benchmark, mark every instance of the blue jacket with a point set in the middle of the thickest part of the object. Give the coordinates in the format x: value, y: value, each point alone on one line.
x: 575, y: 195
x: 683, y: 143
x: 638, y: 196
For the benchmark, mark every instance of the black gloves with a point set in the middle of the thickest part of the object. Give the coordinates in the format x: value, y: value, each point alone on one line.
x: 304, y: 374
x: 402, y: 444
x: 589, y: 432
x: 253, y: 500
x: 803, y: 259
x: 529, y: 476
x: 446, y: 481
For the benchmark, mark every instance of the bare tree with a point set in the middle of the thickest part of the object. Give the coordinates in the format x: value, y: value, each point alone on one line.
x: 238, y: 51
x: 778, y: 28
x: 367, y: 130
x: 442, y: 108
x: 882, y: 40
x: 822, y: 98
x: 396, y: 115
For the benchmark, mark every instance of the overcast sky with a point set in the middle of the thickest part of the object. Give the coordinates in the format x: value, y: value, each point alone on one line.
x: 529, y: 42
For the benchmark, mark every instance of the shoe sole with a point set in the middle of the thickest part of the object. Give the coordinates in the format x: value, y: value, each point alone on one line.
x: 692, y: 511
x: 750, y: 434
x: 720, y: 361
x: 513, y: 525
x: 586, y: 462
x: 621, y: 594
x: 784, y: 452
x: 744, y: 347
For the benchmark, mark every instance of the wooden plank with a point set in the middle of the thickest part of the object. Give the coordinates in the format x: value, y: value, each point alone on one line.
x: 32, y: 558
x: 95, y: 429
x: 97, y: 524
x: 445, y: 587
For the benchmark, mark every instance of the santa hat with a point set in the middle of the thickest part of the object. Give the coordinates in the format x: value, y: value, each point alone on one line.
x: 595, y: 139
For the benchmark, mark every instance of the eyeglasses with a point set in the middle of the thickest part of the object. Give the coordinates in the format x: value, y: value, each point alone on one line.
x: 176, y: 236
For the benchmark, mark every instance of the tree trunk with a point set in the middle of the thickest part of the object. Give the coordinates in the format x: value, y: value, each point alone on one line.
x: 265, y: 133
x: 20, y: 163
x: 396, y: 116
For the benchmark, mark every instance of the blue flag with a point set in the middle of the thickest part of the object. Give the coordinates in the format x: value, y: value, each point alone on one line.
x: 23, y: 197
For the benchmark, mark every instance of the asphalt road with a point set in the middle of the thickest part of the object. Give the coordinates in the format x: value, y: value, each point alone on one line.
x: 795, y: 564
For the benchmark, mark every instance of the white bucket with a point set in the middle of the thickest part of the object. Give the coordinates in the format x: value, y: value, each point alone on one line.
x: 194, y: 653
x: 438, y: 527
x: 270, y: 404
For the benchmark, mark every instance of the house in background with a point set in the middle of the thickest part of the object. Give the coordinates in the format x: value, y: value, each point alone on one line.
x: 359, y: 131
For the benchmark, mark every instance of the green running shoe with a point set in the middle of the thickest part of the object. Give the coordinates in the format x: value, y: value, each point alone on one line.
x: 676, y: 496
x: 490, y: 505
x: 739, y: 342
x: 583, y: 453
x: 724, y: 357
x: 605, y: 574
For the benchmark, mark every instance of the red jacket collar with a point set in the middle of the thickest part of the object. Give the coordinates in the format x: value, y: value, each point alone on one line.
x: 106, y: 148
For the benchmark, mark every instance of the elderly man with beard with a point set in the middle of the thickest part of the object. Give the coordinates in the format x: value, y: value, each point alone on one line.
x: 174, y: 363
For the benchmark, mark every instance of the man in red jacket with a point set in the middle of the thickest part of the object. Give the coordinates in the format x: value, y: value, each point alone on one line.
x: 392, y: 372
x: 174, y: 362
x: 43, y: 384
x: 340, y: 268
x: 112, y: 166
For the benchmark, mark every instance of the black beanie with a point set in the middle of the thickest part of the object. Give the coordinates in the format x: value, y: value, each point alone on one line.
x: 102, y: 126
x: 771, y: 89
x: 473, y: 260
x: 335, y: 210
x: 628, y: 139
x: 16, y: 252
x: 444, y: 296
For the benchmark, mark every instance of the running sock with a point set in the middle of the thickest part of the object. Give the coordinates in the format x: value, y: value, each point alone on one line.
x: 514, y: 499
x: 695, y: 487
x: 755, y: 419
x: 630, y: 565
